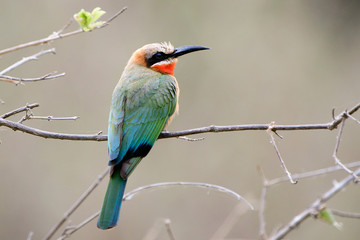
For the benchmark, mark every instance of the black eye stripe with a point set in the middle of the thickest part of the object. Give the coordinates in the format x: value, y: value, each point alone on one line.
x: 157, y: 57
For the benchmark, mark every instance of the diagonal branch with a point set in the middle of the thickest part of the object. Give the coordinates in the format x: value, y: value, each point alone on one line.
x: 76, y: 205
x: 270, y: 131
x: 314, y: 208
x: 57, y: 35
x: 313, y: 173
x: 27, y: 59
x: 19, y: 110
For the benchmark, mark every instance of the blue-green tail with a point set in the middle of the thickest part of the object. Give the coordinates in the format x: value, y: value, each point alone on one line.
x: 110, y: 210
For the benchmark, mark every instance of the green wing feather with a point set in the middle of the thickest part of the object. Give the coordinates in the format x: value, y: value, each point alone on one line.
x: 137, y: 120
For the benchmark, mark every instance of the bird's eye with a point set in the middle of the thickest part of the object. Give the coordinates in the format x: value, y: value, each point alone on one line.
x: 155, y: 58
x: 159, y: 55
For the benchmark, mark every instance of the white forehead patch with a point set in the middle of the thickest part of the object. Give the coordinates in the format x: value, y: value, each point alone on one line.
x: 151, y: 49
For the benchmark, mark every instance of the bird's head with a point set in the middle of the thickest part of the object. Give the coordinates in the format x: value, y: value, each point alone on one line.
x: 161, y: 57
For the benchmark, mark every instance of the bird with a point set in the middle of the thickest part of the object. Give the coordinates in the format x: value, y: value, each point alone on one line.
x: 143, y: 103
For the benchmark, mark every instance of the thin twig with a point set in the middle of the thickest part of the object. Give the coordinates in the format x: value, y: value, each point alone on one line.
x: 309, y: 174
x: 352, y: 118
x: 57, y: 35
x: 131, y: 194
x: 49, y: 118
x: 272, y: 141
x: 19, y: 110
x: 345, y: 214
x: 314, y: 208
x: 262, y: 227
x: 170, y: 233
x: 76, y: 205
x: 112, y: 18
x: 17, y: 80
x: 72, y: 229
x: 337, y: 160
x: 65, y: 26
x: 27, y: 59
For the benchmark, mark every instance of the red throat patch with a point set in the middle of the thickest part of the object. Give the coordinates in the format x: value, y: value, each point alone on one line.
x: 165, y: 68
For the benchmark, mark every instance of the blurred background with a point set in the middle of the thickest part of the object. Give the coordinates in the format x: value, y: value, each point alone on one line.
x: 290, y: 62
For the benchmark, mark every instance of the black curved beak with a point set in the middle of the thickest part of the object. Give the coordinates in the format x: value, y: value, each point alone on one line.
x: 185, y: 50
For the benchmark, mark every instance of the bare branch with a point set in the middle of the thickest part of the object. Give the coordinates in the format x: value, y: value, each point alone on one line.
x: 112, y: 18
x: 46, y: 134
x: 314, y: 208
x: 191, y: 139
x: 49, y: 118
x: 19, y: 110
x: 312, y: 173
x: 345, y: 214
x: 337, y: 160
x: 76, y: 205
x: 17, y: 80
x: 97, y: 137
x: 57, y: 35
x: 72, y: 229
x: 262, y: 228
x: 27, y: 59
x: 131, y: 194
x: 352, y: 118
x: 272, y: 141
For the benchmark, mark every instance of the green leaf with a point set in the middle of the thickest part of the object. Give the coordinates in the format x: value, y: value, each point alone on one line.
x: 328, y: 217
x: 88, y: 21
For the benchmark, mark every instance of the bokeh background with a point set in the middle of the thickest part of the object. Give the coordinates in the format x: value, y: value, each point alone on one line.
x: 285, y: 61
